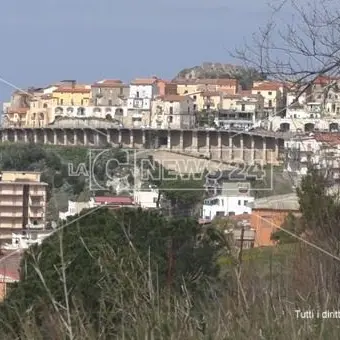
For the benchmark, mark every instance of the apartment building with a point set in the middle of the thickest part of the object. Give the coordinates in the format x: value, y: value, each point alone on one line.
x: 22, y: 202
x: 274, y: 95
x: 172, y: 112
x: 322, y: 151
x: 240, y: 111
x: 142, y: 91
x: 234, y: 200
x: 109, y: 92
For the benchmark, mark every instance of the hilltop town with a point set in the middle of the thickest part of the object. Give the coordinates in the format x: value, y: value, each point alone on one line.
x: 256, y: 145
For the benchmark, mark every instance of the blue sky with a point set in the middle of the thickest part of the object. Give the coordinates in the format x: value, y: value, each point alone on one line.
x: 49, y: 40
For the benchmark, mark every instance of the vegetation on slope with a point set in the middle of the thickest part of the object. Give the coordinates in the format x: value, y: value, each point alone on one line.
x: 246, y: 76
x: 134, y: 274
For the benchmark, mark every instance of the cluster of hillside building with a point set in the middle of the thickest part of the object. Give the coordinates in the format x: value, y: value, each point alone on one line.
x: 151, y: 102
x: 158, y: 103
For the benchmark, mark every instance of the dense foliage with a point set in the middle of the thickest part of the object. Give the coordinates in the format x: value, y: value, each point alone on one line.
x: 91, y: 253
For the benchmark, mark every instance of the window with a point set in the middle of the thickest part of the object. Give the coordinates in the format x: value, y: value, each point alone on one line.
x: 186, y: 91
x: 155, y: 199
x: 110, y: 102
x: 195, y: 107
x: 137, y: 94
x: 61, y: 101
x: 170, y: 119
x: 270, y: 93
x: 243, y: 107
x: 258, y: 92
x: 82, y: 102
x: 171, y: 110
x: 239, y: 202
x: 194, y: 97
x: 245, y: 202
x: 270, y: 103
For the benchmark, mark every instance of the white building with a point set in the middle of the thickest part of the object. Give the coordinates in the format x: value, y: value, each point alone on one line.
x: 142, y: 91
x: 292, y: 98
x: 25, y: 240
x: 39, y: 116
x: 240, y: 112
x: 173, y: 112
x: 307, y: 111
x: 75, y: 208
x: 234, y: 200
x: 321, y: 151
x: 146, y: 199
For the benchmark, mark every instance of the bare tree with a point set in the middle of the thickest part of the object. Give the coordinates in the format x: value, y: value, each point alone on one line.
x: 300, y: 42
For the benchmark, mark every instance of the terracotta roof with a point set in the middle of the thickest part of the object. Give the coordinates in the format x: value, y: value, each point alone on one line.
x: 232, y: 96
x: 9, y: 266
x: 172, y: 98
x: 145, y: 81
x: 71, y: 89
x: 245, y: 93
x: 20, y: 110
x: 324, y: 80
x: 240, y: 218
x: 211, y: 94
x: 113, y: 83
x: 329, y: 138
x: 118, y: 200
x: 267, y: 87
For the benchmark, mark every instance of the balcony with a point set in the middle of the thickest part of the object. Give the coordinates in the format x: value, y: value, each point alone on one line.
x: 137, y: 115
x: 9, y: 192
x: 37, y: 193
x: 137, y: 104
x: 15, y: 214
x: 4, y: 203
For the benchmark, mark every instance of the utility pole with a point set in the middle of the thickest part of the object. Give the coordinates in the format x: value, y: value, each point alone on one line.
x: 241, y: 250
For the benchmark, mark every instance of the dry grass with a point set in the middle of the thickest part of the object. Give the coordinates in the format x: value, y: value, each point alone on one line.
x: 259, y: 302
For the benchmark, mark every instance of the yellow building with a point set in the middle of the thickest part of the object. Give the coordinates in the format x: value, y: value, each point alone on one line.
x: 185, y: 87
x: 72, y: 95
x: 40, y: 111
x: 22, y: 202
x: 209, y: 101
x: 273, y: 94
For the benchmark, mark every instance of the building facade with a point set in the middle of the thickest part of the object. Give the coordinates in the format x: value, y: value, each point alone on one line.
x: 172, y: 112
x: 109, y: 92
x: 74, y: 94
x: 142, y: 92
x: 22, y: 202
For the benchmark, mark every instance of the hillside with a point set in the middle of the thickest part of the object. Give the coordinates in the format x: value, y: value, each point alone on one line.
x: 218, y: 70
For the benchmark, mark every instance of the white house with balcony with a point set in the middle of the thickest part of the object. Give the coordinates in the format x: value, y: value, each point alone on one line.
x: 322, y: 151
x: 234, y: 200
x: 240, y: 112
x: 75, y: 208
x: 103, y: 112
x: 142, y: 91
x: 173, y: 112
